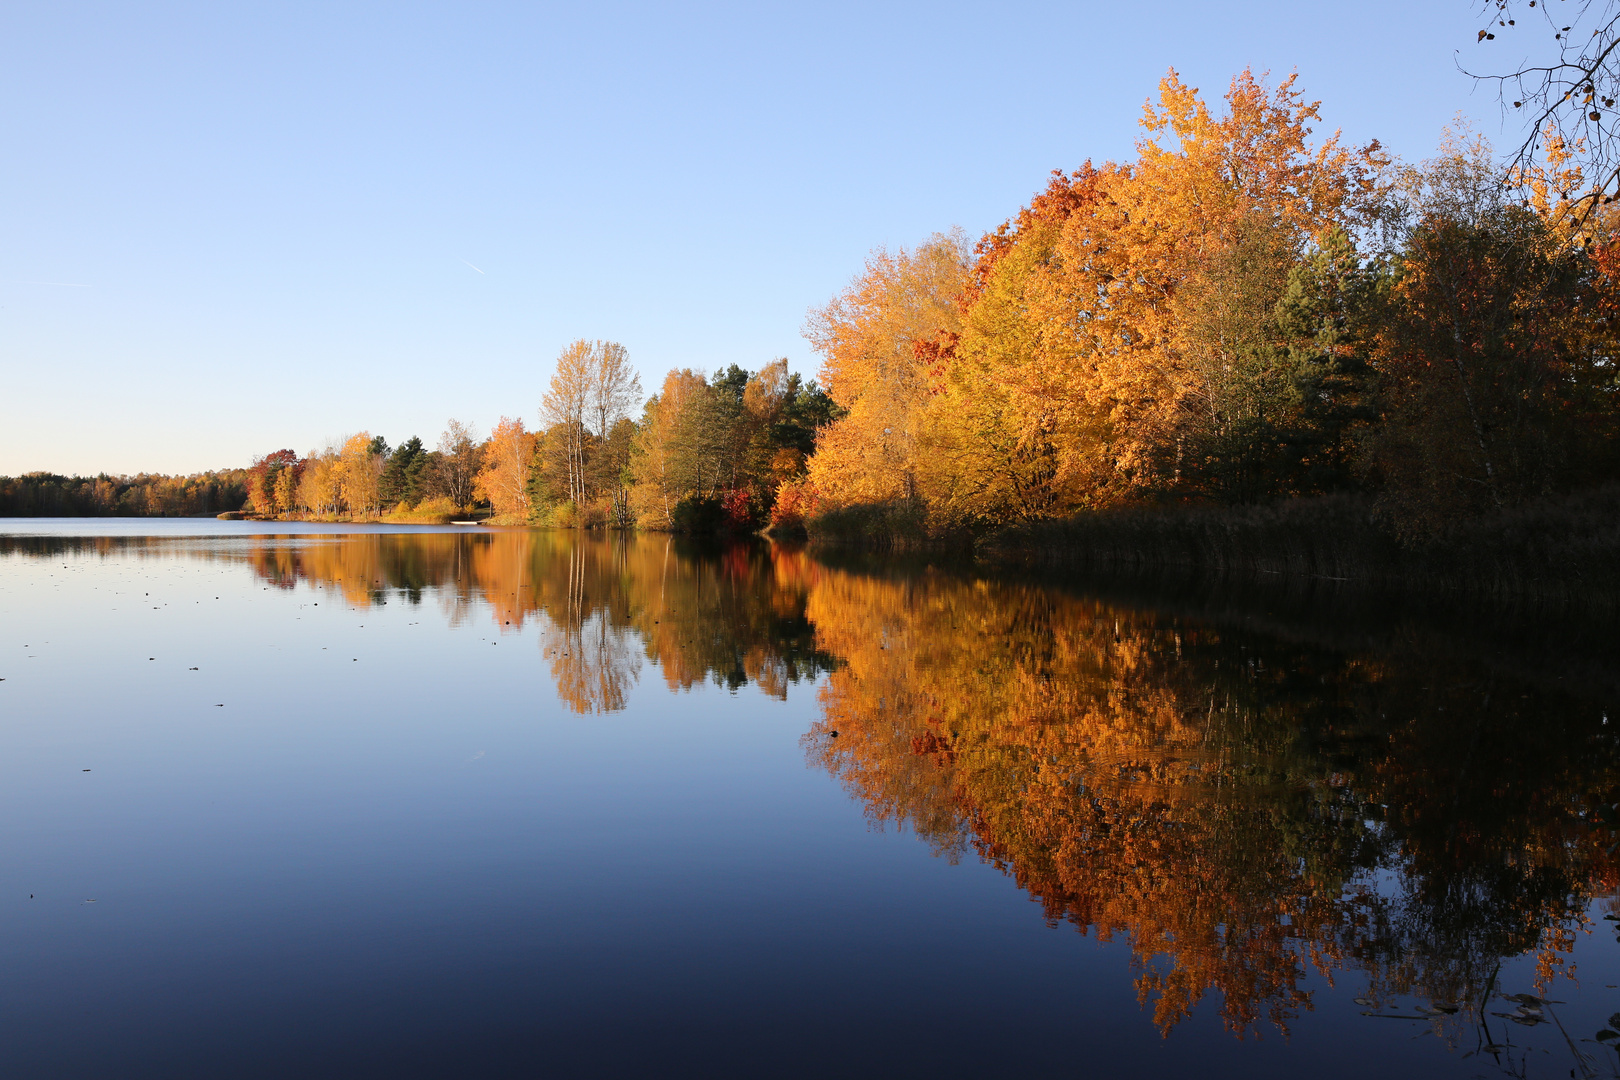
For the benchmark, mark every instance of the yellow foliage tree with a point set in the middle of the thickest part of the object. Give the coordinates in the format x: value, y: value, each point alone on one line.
x: 320, y: 490
x: 661, y: 470
x: 359, y: 471
x: 287, y: 490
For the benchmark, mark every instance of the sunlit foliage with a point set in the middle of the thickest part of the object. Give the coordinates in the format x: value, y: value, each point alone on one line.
x: 1241, y: 313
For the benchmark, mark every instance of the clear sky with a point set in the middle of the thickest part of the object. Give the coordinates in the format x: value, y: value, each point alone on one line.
x: 229, y: 228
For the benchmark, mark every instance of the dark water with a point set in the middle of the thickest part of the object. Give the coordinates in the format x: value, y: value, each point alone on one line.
x: 426, y: 803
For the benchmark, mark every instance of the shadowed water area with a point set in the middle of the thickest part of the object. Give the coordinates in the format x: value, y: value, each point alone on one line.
x: 402, y: 802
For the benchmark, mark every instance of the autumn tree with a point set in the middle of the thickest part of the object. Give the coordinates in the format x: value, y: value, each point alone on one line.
x: 263, y: 476
x: 320, y: 489
x: 1242, y: 191
x: 359, y: 471
x: 610, y: 473
x: 613, y: 387
x: 287, y: 487
x: 867, y: 337
x: 550, y: 480
x: 1004, y: 441
x: 592, y: 389
x: 764, y: 399
x: 661, y: 461
x: 709, y: 435
x: 1120, y: 337
x: 563, y: 409
x: 713, y: 453
x: 504, y: 478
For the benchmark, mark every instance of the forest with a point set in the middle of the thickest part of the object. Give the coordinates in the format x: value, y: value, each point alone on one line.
x: 1240, y: 315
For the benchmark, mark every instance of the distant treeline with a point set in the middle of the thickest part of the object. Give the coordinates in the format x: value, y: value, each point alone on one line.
x: 42, y: 494
x: 705, y: 454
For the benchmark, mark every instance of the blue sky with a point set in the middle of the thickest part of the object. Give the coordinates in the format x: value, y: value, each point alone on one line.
x: 229, y: 228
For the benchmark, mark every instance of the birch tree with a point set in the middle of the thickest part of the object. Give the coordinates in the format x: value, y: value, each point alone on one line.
x: 564, y: 406
x: 459, y: 458
x: 359, y: 472
x: 614, y: 388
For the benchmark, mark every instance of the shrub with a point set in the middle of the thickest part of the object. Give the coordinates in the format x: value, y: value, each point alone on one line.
x: 795, y: 501
x: 427, y: 512
x: 744, y: 509
x: 558, y: 515
x: 699, y: 514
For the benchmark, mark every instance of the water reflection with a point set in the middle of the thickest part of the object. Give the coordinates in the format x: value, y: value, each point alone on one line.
x: 731, y: 615
x: 1244, y: 808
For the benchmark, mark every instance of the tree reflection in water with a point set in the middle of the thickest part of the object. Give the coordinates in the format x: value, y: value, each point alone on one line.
x: 1245, y: 808
x: 732, y: 615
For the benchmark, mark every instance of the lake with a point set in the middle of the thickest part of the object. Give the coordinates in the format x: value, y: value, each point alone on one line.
x: 317, y: 800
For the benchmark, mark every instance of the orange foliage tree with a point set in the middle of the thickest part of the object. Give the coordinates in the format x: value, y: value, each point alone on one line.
x: 504, y: 478
x: 868, y: 337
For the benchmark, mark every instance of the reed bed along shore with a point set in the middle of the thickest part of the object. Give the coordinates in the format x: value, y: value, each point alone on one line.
x: 1564, y: 550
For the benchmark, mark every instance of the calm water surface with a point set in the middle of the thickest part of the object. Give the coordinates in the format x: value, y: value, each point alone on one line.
x: 398, y: 802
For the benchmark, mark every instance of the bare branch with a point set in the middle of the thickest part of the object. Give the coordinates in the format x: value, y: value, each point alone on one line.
x: 1570, y: 101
